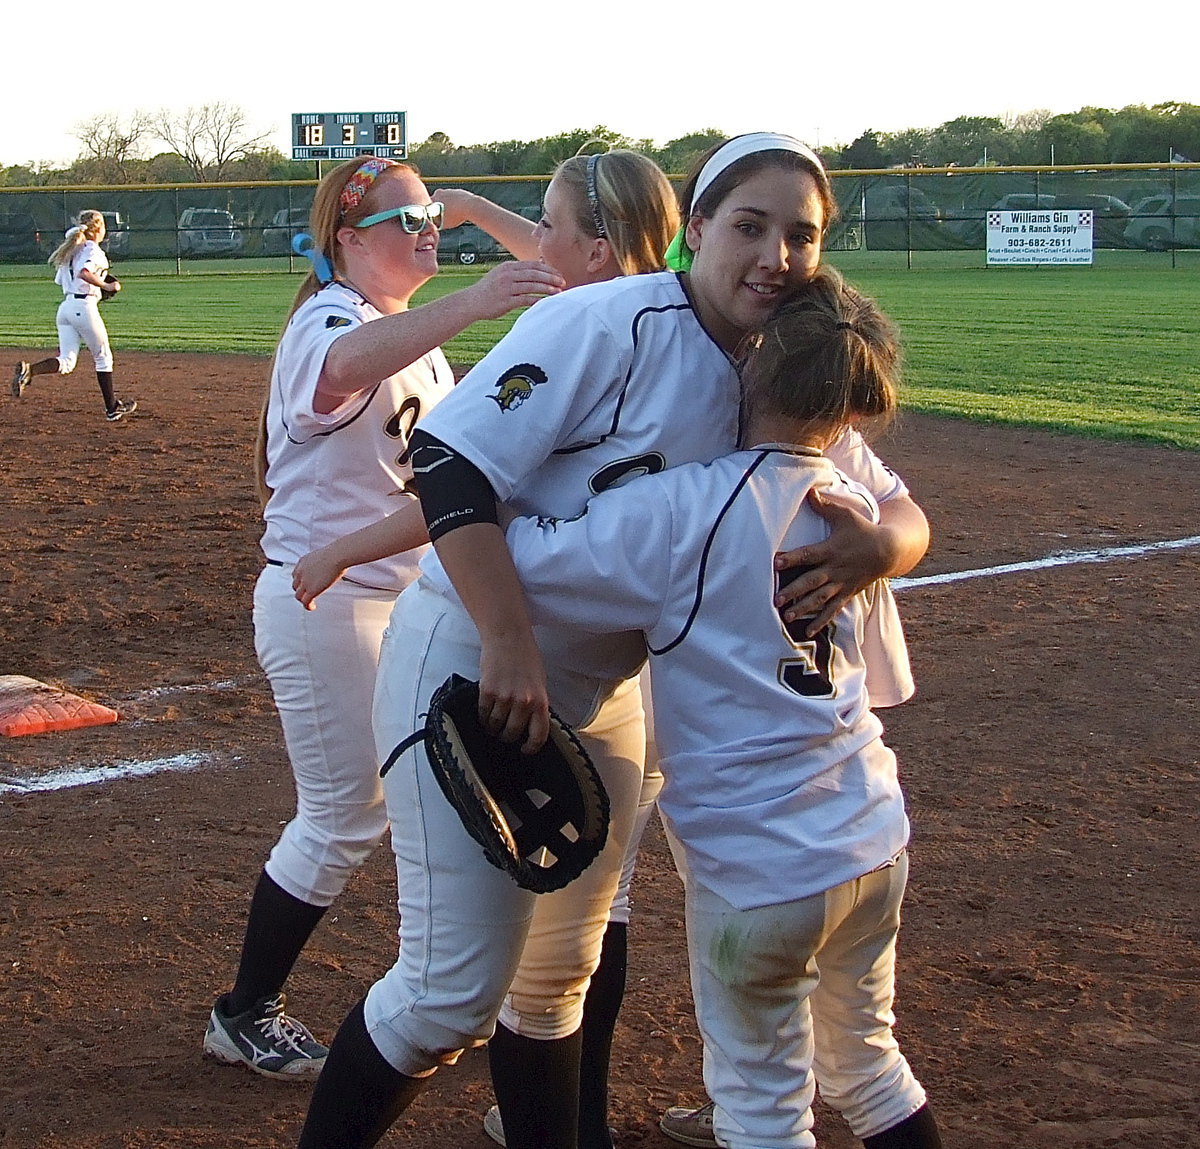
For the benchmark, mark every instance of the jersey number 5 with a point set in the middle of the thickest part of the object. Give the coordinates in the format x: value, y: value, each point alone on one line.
x: 809, y: 671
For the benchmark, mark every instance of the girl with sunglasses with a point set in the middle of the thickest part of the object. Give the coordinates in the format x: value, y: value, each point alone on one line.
x: 595, y: 386
x: 353, y: 371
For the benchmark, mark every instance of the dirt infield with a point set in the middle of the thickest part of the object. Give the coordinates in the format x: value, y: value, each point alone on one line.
x: 1048, y: 976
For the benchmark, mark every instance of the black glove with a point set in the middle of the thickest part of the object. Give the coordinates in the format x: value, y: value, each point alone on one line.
x: 542, y: 818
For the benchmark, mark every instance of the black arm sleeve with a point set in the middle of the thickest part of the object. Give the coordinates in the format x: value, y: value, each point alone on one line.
x: 453, y: 491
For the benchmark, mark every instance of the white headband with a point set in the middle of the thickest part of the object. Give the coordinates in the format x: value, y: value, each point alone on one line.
x: 747, y: 145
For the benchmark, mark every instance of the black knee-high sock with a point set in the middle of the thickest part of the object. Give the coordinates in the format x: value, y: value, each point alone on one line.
x: 916, y: 1132
x: 44, y: 367
x: 358, y: 1095
x: 104, y: 378
x: 600, y: 1008
x: 537, y: 1087
x: 277, y: 929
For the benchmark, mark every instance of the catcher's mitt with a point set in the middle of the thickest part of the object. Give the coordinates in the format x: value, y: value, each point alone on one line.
x: 542, y: 818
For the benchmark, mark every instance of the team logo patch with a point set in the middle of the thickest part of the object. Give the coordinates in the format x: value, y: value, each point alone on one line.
x: 337, y: 321
x: 516, y: 385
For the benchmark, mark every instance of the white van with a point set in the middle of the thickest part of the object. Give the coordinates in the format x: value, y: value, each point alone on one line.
x: 208, y: 231
x: 1161, y: 221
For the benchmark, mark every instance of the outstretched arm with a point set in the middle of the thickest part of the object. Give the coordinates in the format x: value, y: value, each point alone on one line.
x: 514, y: 231
x: 318, y: 570
x: 375, y: 350
x: 856, y: 553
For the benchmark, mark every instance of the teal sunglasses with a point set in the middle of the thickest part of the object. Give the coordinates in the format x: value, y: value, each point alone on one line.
x: 412, y: 217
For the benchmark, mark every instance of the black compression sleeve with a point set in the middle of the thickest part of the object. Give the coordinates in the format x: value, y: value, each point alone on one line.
x: 453, y: 491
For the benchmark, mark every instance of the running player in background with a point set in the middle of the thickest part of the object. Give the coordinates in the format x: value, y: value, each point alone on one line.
x: 81, y: 270
x: 598, y: 384
x: 353, y: 371
x: 604, y: 216
x: 781, y: 799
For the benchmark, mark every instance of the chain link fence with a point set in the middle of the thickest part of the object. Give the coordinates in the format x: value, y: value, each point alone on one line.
x: 199, y: 228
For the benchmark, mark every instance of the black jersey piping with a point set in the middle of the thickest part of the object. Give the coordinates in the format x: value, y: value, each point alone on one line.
x: 341, y: 426
x: 635, y: 323
x: 362, y: 410
x: 708, y: 545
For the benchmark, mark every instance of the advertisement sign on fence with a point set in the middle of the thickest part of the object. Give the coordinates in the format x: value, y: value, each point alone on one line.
x: 1047, y: 236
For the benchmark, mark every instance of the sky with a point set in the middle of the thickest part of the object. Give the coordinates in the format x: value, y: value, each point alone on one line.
x: 649, y: 69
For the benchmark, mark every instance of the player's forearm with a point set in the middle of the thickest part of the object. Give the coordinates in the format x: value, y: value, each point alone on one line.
x: 514, y: 231
x: 513, y: 701
x: 904, y: 535
x: 400, y: 531
x: 477, y: 560
x: 376, y: 350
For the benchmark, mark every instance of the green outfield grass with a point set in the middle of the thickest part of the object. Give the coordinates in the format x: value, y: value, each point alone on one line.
x: 1108, y: 351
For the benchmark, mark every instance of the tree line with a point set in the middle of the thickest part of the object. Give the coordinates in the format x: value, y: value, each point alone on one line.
x: 215, y: 142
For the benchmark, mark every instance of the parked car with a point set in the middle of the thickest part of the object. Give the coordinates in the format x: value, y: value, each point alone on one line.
x: 1159, y: 222
x: 896, y: 216
x: 20, y: 240
x: 116, y: 239
x: 286, y: 223
x: 469, y: 244
x: 898, y: 201
x: 208, y: 231
x: 1023, y: 201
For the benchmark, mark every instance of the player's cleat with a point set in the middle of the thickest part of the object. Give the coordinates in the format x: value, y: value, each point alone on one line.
x: 690, y: 1126
x: 20, y: 380
x: 266, y: 1040
x: 493, y: 1126
x: 124, y: 407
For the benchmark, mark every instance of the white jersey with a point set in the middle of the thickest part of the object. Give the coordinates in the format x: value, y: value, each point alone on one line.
x: 90, y: 255
x: 589, y: 389
x: 767, y: 740
x: 332, y: 473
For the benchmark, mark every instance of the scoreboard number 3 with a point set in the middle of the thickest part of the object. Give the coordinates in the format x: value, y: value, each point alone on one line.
x: 344, y: 135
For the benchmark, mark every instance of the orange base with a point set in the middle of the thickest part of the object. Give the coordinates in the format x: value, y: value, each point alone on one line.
x: 31, y: 707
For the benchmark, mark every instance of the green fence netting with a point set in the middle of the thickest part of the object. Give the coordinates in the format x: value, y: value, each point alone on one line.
x: 1136, y: 207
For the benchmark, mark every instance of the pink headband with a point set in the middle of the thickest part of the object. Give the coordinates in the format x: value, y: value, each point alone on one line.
x: 360, y: 183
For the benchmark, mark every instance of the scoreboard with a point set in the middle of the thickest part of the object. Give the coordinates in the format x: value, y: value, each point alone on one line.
x: 344, y: 135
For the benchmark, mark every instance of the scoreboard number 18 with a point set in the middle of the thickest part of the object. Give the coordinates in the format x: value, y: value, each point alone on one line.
x: 344, y: 135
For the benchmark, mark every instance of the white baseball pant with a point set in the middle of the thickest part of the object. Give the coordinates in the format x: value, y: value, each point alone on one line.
x: 79, y: 322
x: 795, y: 997
x: 474, y: 946
x: 321, y: 665
x: 652, y: 784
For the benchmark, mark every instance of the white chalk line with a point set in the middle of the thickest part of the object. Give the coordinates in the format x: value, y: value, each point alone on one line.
x: 187, y: 688
x: 1058, y: 559
x: 91, y: 775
